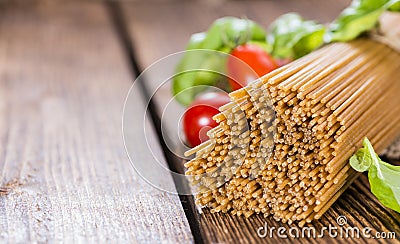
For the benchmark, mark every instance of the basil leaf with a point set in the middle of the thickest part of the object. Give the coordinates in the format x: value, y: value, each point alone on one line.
x: 360, y: 16
x: 231, y: 32
x: 185, y: 79
x: 361, y: 160
x: 199, y: 69
x: 196, y: 40
x: 385, y: 185
x: 262, y: 44
x: 292, y: 37
x: 394, y: 5
x: 384, y: 178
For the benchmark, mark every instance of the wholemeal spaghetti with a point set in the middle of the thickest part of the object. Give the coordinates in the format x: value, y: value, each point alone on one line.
x: 283, y: 143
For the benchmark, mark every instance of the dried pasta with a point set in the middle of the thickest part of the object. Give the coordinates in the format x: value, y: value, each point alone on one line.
x: 283, y: 143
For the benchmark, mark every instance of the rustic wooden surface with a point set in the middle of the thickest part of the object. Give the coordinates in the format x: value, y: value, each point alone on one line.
x: 65, y: 68
x: 65, y: 175
x: 159, y: 28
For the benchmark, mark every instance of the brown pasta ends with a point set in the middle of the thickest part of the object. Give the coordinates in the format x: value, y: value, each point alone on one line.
x: 283, y: 143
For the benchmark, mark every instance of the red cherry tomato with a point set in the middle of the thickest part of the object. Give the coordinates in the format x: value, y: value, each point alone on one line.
x: 254, y: 56
x: 197, y: 119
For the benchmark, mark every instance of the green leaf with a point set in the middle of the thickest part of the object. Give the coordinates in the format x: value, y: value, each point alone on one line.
x: 198, y: 69
x: 360, y: 16
x: 384, y: 178
x: 188, y: 71
x: 385, y: 185
x: 292, y: 37
x: 196, y: 40
x: 361, y: 160
x: 231, y: 32
x: 394, y: 5
x: 264, y: 45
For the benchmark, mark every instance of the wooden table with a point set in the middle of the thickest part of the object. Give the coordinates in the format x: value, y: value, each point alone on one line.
x: 65, y: 69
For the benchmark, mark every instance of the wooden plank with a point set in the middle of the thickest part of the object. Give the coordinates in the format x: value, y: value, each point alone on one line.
x: 161, y: 28
x: 63, y: 81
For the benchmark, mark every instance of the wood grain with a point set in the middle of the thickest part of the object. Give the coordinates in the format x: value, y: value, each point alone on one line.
x: 65, y: 175
x: 161, y: 28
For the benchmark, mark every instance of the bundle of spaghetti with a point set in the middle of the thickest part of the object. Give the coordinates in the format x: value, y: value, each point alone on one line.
x: 282, y: 145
